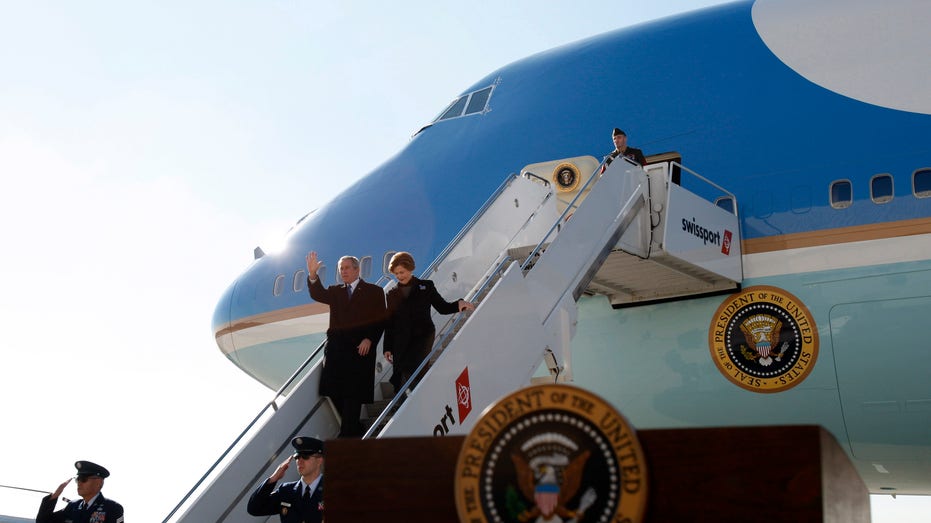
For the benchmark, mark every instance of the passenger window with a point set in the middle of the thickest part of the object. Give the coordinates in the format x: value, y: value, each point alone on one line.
x: 881, y: 190
x: 321, y: 275
x: 478, y: 101
x: 386, y: 261
x: 366, y: 267
x: 841, y: 194
x: 726, y: 203
x: 921, y: 183
x: 299, y: 281
x: 279, y: 285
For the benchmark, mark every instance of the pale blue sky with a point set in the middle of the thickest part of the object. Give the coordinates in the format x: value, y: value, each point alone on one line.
x: 146, y: 147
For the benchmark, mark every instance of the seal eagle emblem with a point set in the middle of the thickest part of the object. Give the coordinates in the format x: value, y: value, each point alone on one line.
x: 551, y: 480
x: 551, y: 454
x: 566, y: 176
x: 763, y: 339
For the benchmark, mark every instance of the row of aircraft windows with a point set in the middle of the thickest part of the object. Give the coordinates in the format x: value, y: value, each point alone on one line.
x: 299, y: 279
x: 881, y: 190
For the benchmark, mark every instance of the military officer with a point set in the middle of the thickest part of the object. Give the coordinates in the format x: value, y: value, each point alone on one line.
x: 91, y: 507
x: 621, y: 149
x: 295, y: 501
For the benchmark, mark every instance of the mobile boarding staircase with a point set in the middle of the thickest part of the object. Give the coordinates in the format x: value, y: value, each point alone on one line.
x: 628, y: 234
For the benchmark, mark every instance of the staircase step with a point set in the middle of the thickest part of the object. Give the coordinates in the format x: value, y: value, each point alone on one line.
x: 387, y: 389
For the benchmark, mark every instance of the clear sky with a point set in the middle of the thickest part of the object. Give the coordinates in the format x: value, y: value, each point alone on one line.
x: 146, y: 147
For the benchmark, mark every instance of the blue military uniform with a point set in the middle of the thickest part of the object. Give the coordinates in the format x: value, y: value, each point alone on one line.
x: 101, y: 510
x: 287, y: 500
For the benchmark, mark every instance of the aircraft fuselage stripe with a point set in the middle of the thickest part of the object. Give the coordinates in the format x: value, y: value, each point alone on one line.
x: 767, y: 245
x: 856, y: 233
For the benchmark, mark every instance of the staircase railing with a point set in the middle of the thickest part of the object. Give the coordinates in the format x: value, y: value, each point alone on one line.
x: 448, y: 328
x: 439, y: 343
x: 570, y: 208
x: 271, y: 406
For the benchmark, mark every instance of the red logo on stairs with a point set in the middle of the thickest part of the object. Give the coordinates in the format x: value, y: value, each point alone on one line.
x: 463, y: 395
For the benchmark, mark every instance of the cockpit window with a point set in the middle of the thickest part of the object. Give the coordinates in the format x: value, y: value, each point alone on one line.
x: 455, y: 109
x: 478, y: 101
x: 472, y: 103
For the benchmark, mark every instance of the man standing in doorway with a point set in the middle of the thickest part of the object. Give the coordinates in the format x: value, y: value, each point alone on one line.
x: 621, y: 149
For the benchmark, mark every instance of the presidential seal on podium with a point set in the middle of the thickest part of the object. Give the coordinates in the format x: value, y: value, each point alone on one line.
x: 551, y: 453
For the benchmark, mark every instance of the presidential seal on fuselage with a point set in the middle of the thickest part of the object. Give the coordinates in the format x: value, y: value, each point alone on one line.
x: 763, y: 339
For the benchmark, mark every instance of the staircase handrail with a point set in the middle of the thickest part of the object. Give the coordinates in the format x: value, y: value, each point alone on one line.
x: 273, y: 405
x: 709, y: 182
x: 440, y: 258
x: 570, y: 207
x: 383, y: 281
x: 437, y: 344
x: 450, y: 325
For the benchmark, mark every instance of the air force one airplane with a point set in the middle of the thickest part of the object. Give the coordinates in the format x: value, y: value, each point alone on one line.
x: 769, y: 264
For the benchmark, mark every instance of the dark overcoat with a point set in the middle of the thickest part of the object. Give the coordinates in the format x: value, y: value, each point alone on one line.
x: 345, y: 373
x: 410, y: 331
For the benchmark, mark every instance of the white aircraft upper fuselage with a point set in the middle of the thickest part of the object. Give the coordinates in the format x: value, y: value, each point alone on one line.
x: 785, y: 103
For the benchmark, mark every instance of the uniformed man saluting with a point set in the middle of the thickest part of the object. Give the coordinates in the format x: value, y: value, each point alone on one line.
x: 295, y: 501
x: 91, y: 507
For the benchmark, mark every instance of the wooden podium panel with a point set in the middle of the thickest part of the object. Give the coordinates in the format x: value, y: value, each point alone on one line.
x: 392, y: 479
x: 739, y: 474
x: 787, y: 473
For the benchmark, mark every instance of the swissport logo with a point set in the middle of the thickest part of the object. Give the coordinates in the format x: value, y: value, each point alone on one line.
x: 463, y: 395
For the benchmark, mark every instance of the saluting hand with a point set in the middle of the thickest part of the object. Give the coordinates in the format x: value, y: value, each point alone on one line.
x: 279, y: 472
x: 60, y: 489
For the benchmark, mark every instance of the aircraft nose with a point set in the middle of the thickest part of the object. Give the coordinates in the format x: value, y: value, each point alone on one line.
x: 222, y: 316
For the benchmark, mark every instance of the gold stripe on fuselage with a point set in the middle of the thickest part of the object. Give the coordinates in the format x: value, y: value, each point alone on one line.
x: 275, y: 316
x: 873, y: 231
x: 856, y: 233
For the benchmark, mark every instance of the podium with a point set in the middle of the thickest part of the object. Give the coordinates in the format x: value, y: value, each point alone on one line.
x: 745, y: 474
